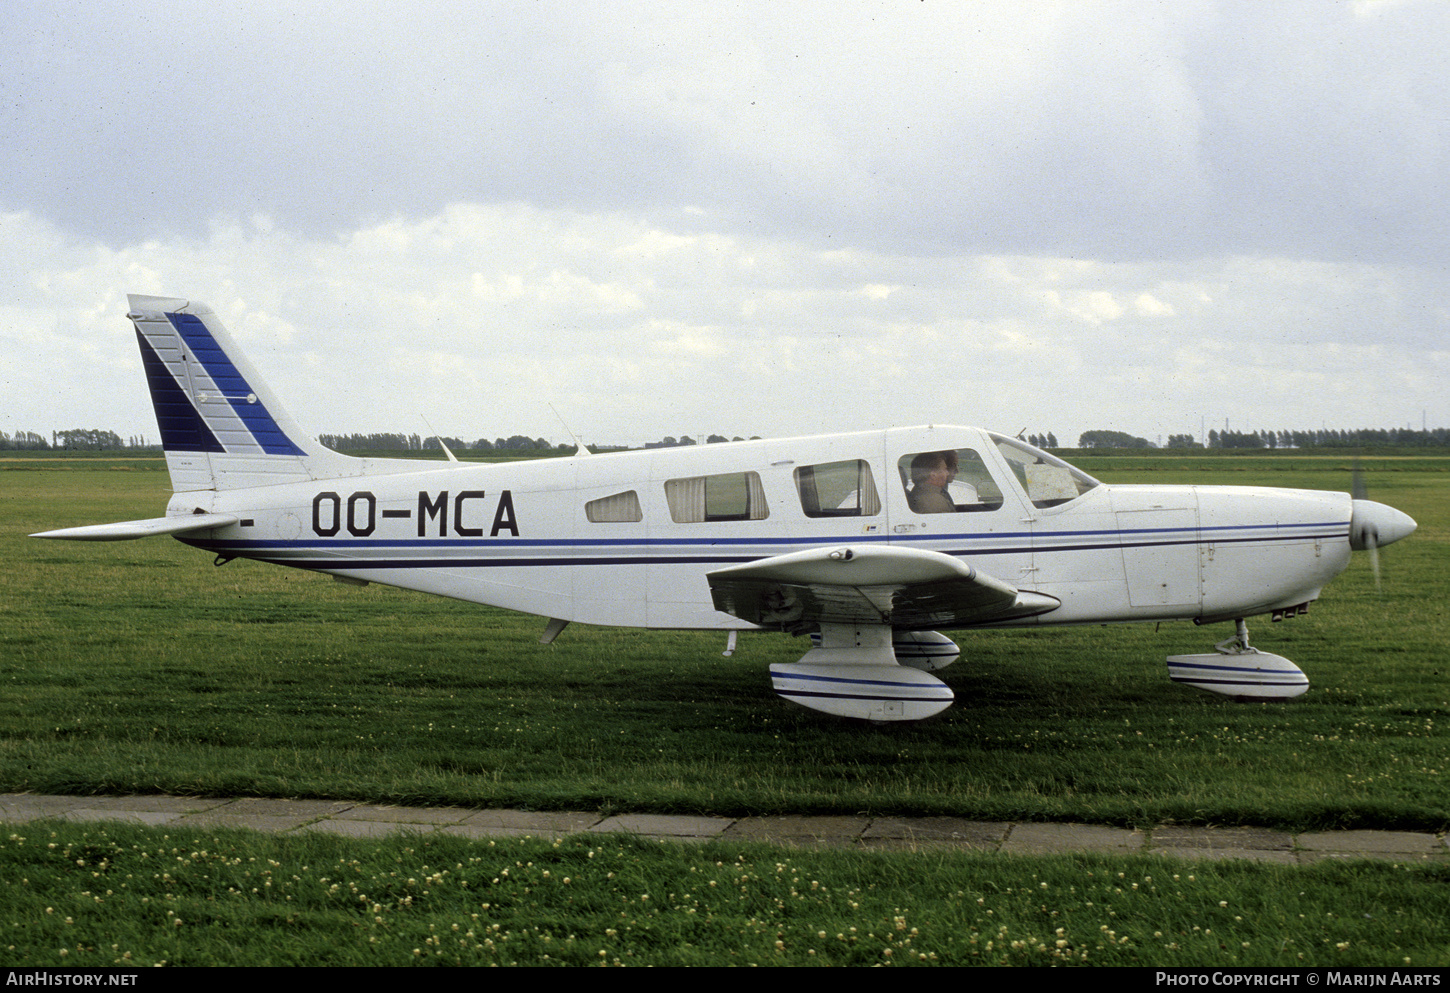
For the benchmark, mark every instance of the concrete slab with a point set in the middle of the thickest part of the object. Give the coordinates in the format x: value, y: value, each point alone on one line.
x: 1369, y: 843
x: 1169, y: 837
x: 793, y: 830
x: 914, y: 834
x: 665, y: 826
x: 1044, y: 839
x: 31, y: 806
x: 955, y: 832
x: 1403, y: 858
x: 522, y: 824
x: 267, y: 814
x: 367, y: 829
x: 405, y: 815
x: 149, y: 817
x: 152, y: 810
x: 152, y: 804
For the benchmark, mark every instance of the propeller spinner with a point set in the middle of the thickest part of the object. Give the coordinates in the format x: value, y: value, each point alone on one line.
x: 1373, y: 525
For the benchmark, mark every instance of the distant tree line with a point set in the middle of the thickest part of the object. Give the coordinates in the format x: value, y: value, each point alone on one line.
x: 74, y: 440
x: 377, y: 442
x: 394, y: 442
x: 98, y: 439
x: 670, y: 441
x: 1325, y: 438
x: 1112, y: 439
x: 1321, y: 438
x: 23, y: 441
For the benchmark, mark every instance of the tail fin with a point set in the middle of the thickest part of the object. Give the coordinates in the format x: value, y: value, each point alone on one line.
x: 221, y: 427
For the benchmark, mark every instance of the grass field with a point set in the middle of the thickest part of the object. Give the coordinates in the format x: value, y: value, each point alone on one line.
x: 139, y: 667
x: 105, y: 895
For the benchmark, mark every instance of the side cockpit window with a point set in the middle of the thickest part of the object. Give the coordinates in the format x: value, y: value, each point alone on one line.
x: 838, y: 489
x: 731, y: 496
x: 618, y: 508
x: 948, y: 481
x: 1047, y: 480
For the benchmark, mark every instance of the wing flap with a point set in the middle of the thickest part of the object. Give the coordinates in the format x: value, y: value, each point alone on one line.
x: 900, y: 587
x: 129, y: 530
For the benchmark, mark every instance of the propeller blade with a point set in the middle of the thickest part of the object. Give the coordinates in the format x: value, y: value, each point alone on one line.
x: 1373, y: 524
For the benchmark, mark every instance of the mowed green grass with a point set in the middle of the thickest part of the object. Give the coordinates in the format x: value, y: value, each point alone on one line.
x: 140, y: 667
x: 86, y: 895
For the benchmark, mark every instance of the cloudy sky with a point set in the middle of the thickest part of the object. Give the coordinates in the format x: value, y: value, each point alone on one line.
x: 762, y: 218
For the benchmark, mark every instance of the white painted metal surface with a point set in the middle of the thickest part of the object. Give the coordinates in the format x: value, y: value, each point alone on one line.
x: 1252, y: 675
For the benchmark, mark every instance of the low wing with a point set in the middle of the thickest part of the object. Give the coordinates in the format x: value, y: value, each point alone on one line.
x: 900, y: 587
x: 127, y: 530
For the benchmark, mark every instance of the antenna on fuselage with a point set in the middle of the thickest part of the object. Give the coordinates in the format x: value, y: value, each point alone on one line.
x: 579, y: 448
x: 451, y: 456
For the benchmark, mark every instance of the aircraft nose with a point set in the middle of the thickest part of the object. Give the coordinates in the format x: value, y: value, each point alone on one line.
x: 1375, y: 525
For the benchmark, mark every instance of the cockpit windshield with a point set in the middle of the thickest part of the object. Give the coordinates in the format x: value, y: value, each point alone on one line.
x: 1047, y: 480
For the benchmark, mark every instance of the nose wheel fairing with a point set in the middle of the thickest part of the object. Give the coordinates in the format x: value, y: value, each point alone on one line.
x: 1237, y: 670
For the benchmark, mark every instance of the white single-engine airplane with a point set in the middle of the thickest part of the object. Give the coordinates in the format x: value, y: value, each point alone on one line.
x: 869, y: 542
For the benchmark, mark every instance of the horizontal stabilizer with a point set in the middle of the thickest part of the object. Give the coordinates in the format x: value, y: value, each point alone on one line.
x: 127, y: 530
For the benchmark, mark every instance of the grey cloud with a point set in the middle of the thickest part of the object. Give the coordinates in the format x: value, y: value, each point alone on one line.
x: 1124, y: 131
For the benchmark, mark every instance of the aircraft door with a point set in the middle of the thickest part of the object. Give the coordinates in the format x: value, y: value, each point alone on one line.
x: 1158, y: 535
x: 949, y: 493
x: 1075, y: 555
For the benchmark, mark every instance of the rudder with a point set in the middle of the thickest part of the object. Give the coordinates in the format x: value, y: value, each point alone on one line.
x: 221, y: 428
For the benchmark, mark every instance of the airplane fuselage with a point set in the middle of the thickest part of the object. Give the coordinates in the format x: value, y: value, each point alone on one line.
x: 627, y: 539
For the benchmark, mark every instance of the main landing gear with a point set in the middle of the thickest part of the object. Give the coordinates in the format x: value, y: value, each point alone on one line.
x: 869, y: 672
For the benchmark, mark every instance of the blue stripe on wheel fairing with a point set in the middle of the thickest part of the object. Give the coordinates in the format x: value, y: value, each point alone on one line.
x: 815, y: 677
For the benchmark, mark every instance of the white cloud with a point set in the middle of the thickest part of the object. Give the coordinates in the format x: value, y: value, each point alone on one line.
x: 637, y: 325
x: 1147, y: 305
x: 480, y: 316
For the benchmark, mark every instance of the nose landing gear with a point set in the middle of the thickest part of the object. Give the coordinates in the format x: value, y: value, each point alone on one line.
x: 1236, y: 669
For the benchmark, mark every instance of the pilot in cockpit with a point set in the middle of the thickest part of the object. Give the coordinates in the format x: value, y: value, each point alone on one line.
x: 931, y: 473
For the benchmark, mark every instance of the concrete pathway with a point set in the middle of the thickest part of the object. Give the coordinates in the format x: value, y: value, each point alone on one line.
x: 365, y: 820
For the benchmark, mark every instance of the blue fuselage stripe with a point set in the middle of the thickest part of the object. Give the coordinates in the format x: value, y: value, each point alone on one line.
x: 454, y: 553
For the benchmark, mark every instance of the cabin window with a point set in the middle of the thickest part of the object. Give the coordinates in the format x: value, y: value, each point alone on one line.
x: 838, y: 489
x: 1047, y: 480
x: 731, y: 496
x: 948, y: 481
x: 619, y: 508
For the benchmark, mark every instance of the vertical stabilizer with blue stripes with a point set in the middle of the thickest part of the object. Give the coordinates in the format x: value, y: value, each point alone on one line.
x: 221, y: 427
